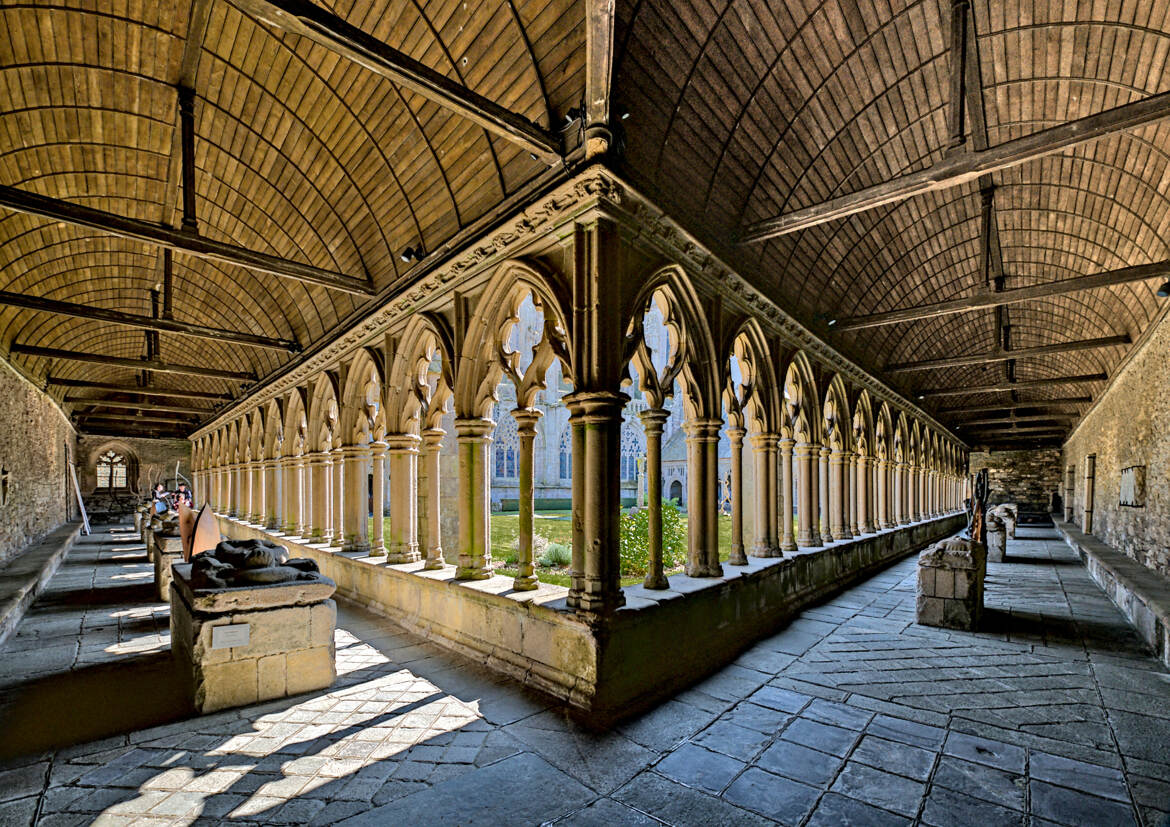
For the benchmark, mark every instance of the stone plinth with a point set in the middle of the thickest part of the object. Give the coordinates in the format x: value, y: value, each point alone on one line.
x: 164, y: 551
x: 950, y: 584
x: 148, y: 540
x: 1007, y: 513
x: 289, y: 640
x: 997, y: 535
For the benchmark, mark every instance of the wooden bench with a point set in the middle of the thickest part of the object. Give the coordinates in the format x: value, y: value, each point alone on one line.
x: 1142, y: 595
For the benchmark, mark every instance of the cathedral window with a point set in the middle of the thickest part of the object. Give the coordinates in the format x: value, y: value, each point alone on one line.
x: 566, y: 452
x: 111, y: 470
x: 507, y: 448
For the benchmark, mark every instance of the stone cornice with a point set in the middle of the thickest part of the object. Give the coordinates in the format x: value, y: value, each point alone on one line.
x: 595, y: 187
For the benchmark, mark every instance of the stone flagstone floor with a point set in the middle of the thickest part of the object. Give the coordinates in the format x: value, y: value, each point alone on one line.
x: 852, y: 714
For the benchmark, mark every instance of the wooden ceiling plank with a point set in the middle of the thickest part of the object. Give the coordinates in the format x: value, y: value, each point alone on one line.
x: 310, y: 21
x: 1053, y: 418
x: 962, y: 167
x: 145, y: 406
x: 114, y: 419
x: 1005, y: 355
x: 167, y: 325
x: 1124, y: 275
x: 179, y: 240
x: 178, y: 393
x: 1004, y: 406
x: 1012, y: 386
x: 133, y: 364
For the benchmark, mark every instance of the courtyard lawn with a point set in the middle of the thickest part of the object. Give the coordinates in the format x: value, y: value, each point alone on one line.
x: 557, y: 526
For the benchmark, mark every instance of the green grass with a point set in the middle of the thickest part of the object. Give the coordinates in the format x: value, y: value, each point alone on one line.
x: 506, y: 528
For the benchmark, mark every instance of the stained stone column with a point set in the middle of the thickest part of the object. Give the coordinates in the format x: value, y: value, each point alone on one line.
x: 787, y: 534
x: 653, y: 421
x: 258, y: 480
x: 596, y: 419
x: 355, y: 478
x: 896, y: 496
x: 432, y: 440
x: 807, y: 455
x: 292, y: 495
x: 475, y: 556
x: 825, y: 499
x: 337, y: 499
x: 526, y: 419
x: 703, y: 497
x: 838, y: 463
x: 915, y: 493
x: 318, y: 468
x: 864, y: 495
x: 303, y: 493
x: 737, y: 556
x: 241, y: 498
x: 378, y: 504
x: 883, y: 499
x: 764, y: 453
x: 854, y: 495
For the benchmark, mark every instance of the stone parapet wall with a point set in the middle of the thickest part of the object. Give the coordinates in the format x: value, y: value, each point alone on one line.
x: 36, y: 445
x: 1128, y: 426
x: 1027, y: 478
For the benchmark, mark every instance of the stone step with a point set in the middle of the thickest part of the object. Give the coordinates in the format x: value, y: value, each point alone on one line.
x: 23, y: 577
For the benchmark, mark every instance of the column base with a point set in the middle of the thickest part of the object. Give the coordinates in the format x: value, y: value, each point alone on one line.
x: 401, y: 555
x: 434, y: 560
x: 704, y: 571
x: 525, y: 584
x: 789, y: 546
x: 655, y: 582
x: 841, y: 536
x: 737, y: 557
x: 472, y: 573
x: 766, y: 551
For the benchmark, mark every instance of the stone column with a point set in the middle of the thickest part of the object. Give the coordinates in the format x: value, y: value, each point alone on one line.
x: 807, y: 455
x: 825, y: 501
x: 596, y: 419
x: 526, y: 419
x: 854, y: 497
x: 475, y: 481
x: 432, y: 440
x: 303, y: 496
x: 337, y: 499
x: 378, y: 501
x: 401, y: 451
x: 292, y: 495
x: 653, y: 421
x: 764, y: 453
x: 737, y: 556
x: 864, y: 495
x: 257, y: 498
x: 702, y: 497
x: 241, y: 499
x: 898, y: 471
x: 787, y: 533
x: 838, y: 463
x: 355, y: 481
x: 883, y: 499
x: 318, y: 468
x: 272, y: 487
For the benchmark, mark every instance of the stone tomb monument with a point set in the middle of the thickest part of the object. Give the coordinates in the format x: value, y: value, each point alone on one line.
x: 1007, y: 512
x: 164, y: 547
x: 997, y: 535
x: 950, y: 584
x: 248, y: 624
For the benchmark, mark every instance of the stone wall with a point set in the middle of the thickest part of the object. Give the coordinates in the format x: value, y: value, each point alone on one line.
x: 154, y: 459
x: 36, y: 443
x: 1027, y: 478
x: 1130, y: 425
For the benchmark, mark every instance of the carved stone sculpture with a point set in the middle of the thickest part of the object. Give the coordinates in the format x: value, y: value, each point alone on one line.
x: 232, y: 564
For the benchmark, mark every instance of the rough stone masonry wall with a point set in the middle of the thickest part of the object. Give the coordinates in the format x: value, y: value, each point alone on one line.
x: 156, y: 459
x: 36, y: 442
x: 1027, y: 478
x: 1130, y: 425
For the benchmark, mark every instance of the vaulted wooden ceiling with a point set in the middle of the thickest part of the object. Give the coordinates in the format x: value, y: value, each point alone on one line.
x: 739, y: 111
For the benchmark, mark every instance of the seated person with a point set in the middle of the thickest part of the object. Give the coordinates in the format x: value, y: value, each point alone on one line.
x: 161, y: 499
x: 183, y: 495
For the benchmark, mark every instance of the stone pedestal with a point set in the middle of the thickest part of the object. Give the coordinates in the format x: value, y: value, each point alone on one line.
x: 950, y: 584
x: 997, y: 535
x: 1007, y: 513
x: 148, y: 540
x: 164, y: 551
x: 278, y: 641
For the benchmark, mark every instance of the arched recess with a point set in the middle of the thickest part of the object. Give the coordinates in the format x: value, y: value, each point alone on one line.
x: 482, y: 360
x: 124, y: 455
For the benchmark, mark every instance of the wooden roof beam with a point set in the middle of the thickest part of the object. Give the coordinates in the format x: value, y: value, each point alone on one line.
x: 1012, y: 386
x: 963, y: 166
x: 1052, y: 417
x: 310, y: 21
x: 133, y: 406
x: 1003, y: 406
x: 133, y: 364
x: 178, y: 393
x: 147, y: 432
x: 1125, y: 275
x: 115, y: 419
x: 180, y: 240
x: 1005, y: 355
x: 102, y: 314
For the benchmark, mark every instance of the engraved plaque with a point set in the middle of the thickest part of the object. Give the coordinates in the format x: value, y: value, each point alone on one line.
x: 225, y: 637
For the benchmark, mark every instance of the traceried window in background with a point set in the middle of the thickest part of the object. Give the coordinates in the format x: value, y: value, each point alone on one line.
x: 631, y: 450
x: 507, y: 447
x: 111, y: 470
x: 566, y: 452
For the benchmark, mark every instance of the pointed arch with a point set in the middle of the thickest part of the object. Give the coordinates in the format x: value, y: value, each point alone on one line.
x: 800, y: 400
x: 415, y: 396
x: 835, y: 415
x: 863, y: 425
x: 758, y: 397
x: 274, y: 432
x: 324, y: 414
x: 884, y: 433
x: 363, y: 416
x: 296, y: 424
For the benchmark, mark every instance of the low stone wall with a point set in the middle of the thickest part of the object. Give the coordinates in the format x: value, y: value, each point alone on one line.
x: 659, y: 643
x: 1143, y: 596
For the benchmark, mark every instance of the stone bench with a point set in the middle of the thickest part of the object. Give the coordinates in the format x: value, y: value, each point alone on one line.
x: 1142, y: 595
x: 951, y: 574
x: 24, y: 577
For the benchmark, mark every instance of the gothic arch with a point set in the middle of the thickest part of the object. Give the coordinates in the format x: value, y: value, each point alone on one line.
x: 324, y: 414
x: 884, y: 433
x: 801, y: 402
x: 296, y: 424
x: 363, y: 415
x: 863, y: 425
x: 413, y: 398
x: 274, y: 430
x: 758, y: 398
x: 836, y: 419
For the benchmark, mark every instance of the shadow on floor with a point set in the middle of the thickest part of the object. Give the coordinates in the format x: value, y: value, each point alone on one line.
x: 91, y: 703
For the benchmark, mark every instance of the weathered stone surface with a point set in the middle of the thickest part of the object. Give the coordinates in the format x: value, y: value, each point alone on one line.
x: 296, y: 593
x: 1026, y: 479
x: 996, y: 538
x: 950, y: 584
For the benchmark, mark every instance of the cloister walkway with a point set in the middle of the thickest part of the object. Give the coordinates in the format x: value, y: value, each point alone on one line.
x: 851, y: 714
